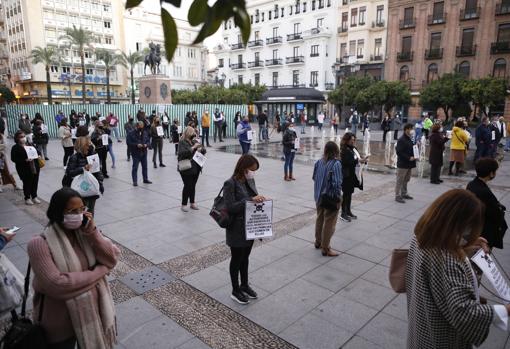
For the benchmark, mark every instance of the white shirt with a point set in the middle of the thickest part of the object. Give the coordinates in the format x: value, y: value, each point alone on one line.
x: 320, y: 118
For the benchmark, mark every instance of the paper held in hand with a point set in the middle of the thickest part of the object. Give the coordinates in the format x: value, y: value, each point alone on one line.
x: 44, y: 129
x: 161, y: 108
x: 179, y: 129
x: 416, y: 152
x: 199, y: 158
x: 165, y: 119
x: 93, y: 161
x: 249, y: 135
x: 259, y: 219
x: 490, y: 270
x: 102, y: 118
x: 104, y: 139
x: 493, y: 134
x: 296, y: 144
x: 31, y: 152
x: 159, y: 129
x: 112, y: 122
x: 73, y: 133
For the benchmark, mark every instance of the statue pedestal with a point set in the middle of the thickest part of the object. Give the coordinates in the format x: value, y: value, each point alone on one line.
x: 155, y: 89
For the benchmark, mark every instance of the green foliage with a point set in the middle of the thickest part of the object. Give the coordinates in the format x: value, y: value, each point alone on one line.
x: 445, y: 93
x: 210, y: 94
x: 484, y: 93
x: 47, y: 56
x: 392, y: 94
x: 129, y: 61
x: 347, y: 93
x: 7, y: 95
x: 200, y: 12
x: 110, y: 59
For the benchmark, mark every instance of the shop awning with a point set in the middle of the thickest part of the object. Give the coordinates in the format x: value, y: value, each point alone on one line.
x: 291, y: 95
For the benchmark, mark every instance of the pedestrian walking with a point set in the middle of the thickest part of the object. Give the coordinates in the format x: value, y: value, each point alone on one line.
x: 157, y: 142
x: 166, y: 125
x: 101, y: 143
x: 108, y: 131
x: 385, y: 127
x: 354, y: 121
x: 174, y: 131
x: 289, y: 152
x: 113, y: 123
x: 350, y: 158
x: 41, y: 138
x: 237, y: 190
x: 218, y: 124
x: 327, y: 177
x: 237, y: 119
x: 494, y: 226
x: 496, y: 136
x: 65, y: 135
x: 395, y: 125
x: 263, y: 123
x: 244, y: 134
x: 320, y: 119
x: 71, y: 260
x: 138, y: 141
x: 188, y: 146
x: 437, y: 141
x: 483, y: 139
x: 206, y: 125
x: 405, y: 163
x: 458, y: 148
x: 444, y: 306
x: 78, y: 164
x: 27, y: 169
x: 128, y: 127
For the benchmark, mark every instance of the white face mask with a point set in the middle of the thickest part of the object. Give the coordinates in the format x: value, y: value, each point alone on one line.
x: 292, y: 129
x: 412, y: 133
x: 249, y: 174
x: 73, y: 221
x: 23, y: 140
x: 441, y: 129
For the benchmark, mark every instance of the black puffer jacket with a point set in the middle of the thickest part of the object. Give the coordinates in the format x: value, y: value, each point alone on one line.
x: 405, y: 152
x: 289, y: 138
x: 76, y: 164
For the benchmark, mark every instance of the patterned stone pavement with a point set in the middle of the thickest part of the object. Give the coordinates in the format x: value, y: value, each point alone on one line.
x: 306, y: 300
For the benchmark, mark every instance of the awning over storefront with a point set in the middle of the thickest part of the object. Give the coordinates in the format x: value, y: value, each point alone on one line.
x: 291, y: 95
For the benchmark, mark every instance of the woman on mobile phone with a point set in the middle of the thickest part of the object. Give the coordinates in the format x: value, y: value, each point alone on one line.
x: 70, y: 260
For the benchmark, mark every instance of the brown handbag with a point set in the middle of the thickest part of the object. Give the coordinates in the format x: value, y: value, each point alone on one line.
x: 398, y: 269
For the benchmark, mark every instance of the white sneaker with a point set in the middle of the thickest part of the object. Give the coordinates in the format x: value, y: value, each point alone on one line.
x: 29, y: 202
x: 184, y: 209
x: 36, y: 200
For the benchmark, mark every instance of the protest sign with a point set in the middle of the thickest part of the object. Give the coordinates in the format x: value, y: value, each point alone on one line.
x: 31, y: 152
x: 259, y: 219
x: 199, y: 158
x: 490, y: 270
x: 416, y: 152
x: 93, y: 161
x: 249, y: 135
x: 296, y: 143
x: 104, y: 139
x: 159, y: 129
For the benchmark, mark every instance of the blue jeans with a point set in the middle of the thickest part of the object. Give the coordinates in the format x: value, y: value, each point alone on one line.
x: 245, y: 146
x: 115, y: 131
x: 137, y: 159
x: 507, y: 146
x: 110, y: 150
x: 262, y: 133
x: 289, y: 161
x: 354, y: 129
x: 303, y: 127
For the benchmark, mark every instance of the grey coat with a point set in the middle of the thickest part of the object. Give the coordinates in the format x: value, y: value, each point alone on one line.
x: 236, y: 193
x: 443, y: 309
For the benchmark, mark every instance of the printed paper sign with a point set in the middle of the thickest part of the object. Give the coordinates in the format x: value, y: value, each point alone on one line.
x: 199, y: 158
x: 249, y: 135
x: 102, y: 118
x: 161, y: 109
x: 73, y: 133
x: 493, y: 133
x: 104, y: 139
x: 259, y: 220
x: 179, y: 129
x: 159, y: 129
x: 416, y: 152
x: 31, y: 152
x: 81, y: 122
x: 93, y: 161
x: 449, y: 134
x: 112, y: 122
x: 296, y: 143
x: 44, y: 129
x: 492, y: 273
x: 165, y: 119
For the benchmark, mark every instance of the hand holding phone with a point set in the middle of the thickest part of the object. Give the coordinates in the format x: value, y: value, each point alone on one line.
x: 9, y: 234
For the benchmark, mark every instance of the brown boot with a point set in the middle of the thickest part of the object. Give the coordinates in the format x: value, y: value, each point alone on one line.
x: 286, y: 178
x: 329, y: 253
x: 291, y: 177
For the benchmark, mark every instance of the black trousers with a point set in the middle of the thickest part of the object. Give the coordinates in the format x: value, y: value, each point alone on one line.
x: 385, y: 132
x: 166, y: 131
x: 395, y: 135
x: 103, y: 154
x: 188, y: 191
x: 157, y: 149
x: 346, y: 203
x: 128, y: 153
x: 239, y: 265
x: 435, y: 172
x: 30, y: 184
x: 68, y: 151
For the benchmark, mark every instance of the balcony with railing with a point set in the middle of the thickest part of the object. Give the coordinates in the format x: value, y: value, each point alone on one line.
x: 500, y: 47
x: 378, y: 24
x: 470, y: 13
x: 502, y: 8
x: 314, y: 54
x: 438, y: 19
x: 274, y: 40
x: 343, y: 29
x: 406, y: 56
x: 295, y: 36
x: 256, y: 43
x: 274, y: 61
x: 317, y: 31
x: 3, y: 37
x: 237, y: 65
x: 376, y: 58
x: 465, y: 51
x: 238, y: 46
x: 434, y: 53
x: 408, y: 23
x: 313, y: 84
x: 256, y: 64
x: 329, y: 86
x: 295, y: 60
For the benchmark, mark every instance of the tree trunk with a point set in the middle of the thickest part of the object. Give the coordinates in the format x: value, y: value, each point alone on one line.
x: 108, y: 99
x: 132, y: 86
x: 82, y: 61
x: 48, y: 85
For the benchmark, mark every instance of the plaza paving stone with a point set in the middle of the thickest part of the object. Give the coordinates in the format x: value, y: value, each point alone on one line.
x: 305, y: 300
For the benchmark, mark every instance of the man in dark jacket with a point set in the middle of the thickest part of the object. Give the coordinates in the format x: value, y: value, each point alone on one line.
x: 483, y: 139
x: 495, y: 225
x: 405, y: 163
x: 495, y: 137
x: 138, y: 142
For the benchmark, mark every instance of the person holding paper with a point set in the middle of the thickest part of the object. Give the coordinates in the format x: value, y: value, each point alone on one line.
x: 174, y: 132
x: 166, y: 125
x: 289, y: 151
x: 443, y: 302
x: 128, y: 127
x: 437, y: 141
x: 237, y: 190
x: 138, y: 141
x: 350, y: 158
x: 26, y: 166
x: 244, y: 134
x: 495, y: 225
x: 41, y: 138
x: 406, y: 161
x: 100, y: 139
x: 108, y: 131
x: 157, y: 134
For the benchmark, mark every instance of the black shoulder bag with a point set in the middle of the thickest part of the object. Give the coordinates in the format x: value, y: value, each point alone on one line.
x: 219, y: 211
x: 328, y: 199
x: 23, y: 334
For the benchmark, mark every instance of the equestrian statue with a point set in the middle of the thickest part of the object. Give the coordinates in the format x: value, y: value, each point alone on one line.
x: 153, y: 59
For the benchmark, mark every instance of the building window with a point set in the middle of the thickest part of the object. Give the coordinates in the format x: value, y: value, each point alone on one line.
x: 275, y: 54
x: 240, y: 79
x: 314, y: 51
x: 89, y: 71
x: 343, y: 50
x: 362, y: 13
x: 464, y: 69
x: 269, y: 15
x: 345, y: 20
x: 499, y: 70
x: 295, y: 78
x: 432, y: 72
x: 66, y: 70
x: 354, y: 17
x: 296, y: 51
x: 257, y: 35
x: 404, y: 73
x: 360, y: 49
x: 407, y: 44
x: 291, y: 9
x: 275, y: 32
x: 221, y: 62
x: 108, y: 41
x: 408, y: 16
x: 240, y: 59
x: 54, y: 69
x: 352, y: 47
x: 283, y: 11
x: 378, y: 49
x: 275, y: 79
x: 298, y: 7
x: 504, y: 32
x: 139, y: 46
x: 471, y: 9
x: 467, y: 40
x: 263, y: 13
x: 276, y: 11
x: 313, y: 5
x: 438, y: 12
x: 107, y: 24
x: 435, y: 41
x: 297, y: 26
x: 321, y: 4
x: 314, y: 78
x: 257, y: 79
x: 304, y: 7
x: 320, y: 22
x: 379, y: 14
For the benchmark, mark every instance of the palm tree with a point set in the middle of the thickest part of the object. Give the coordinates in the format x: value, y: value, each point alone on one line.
x: 110, y: 59
x: 80, y: 38
x: 130, y: 61
x: 48, y: 57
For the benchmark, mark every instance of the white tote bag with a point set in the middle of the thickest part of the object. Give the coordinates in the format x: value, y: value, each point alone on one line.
x: 11, y: 286
x: 86, y: 184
